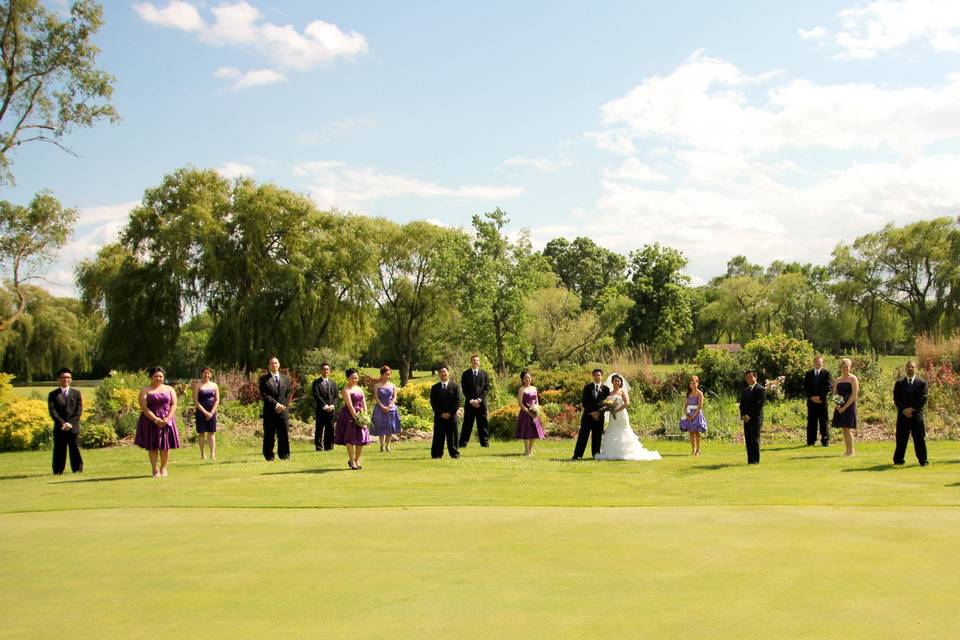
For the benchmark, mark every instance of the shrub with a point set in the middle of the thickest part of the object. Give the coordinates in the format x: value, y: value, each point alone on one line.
x: 25, y: 424
x: 6, y: 388
x: 775, y: 355
x: 114, y: 393
x: 415, y: 399
x: 719, y: 370
x: 97, y: 436
x: 502, y: 422
x: 565, y: 422
x: 125, y: 425
x: 409, y: 421
x: 938, y: 352
x: 338, y: 362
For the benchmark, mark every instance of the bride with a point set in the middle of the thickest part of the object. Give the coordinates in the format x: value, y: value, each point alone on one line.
x: 619, y: 441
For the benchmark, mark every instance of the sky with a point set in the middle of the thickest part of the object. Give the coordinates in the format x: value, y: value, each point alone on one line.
x: 768, y: 129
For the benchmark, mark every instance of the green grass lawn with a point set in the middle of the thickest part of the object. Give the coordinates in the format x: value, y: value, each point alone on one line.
x: 806, y: 545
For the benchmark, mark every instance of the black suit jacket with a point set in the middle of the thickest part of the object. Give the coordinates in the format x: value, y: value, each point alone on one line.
x: 272, y: 394
x: 475, y: 389
x: 814, y: 385
x: 324, y: 396
x: 64, y: 410
x: 751, y: 403
x: 913, y: 396
x: 590, y: 403
x: 445, y: 401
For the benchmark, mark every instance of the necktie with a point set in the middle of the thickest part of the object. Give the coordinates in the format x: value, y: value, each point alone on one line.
x: 443, y: 386
x: 276, y: 380
x: 596, y: 390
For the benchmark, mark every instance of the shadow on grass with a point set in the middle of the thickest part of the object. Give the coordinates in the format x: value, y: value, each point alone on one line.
x: 304, y: 471
x: 24, y: 475
x: 108, y: 479
x: 716, y: 467
x: 876, y: 467
x: 823, y: 457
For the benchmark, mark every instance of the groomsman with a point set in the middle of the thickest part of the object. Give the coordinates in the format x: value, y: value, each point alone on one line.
x: 910, y: 396
x: 475, y: 384
x: 591, y: 422
x: 445, y: 400
x: 325, y: 394
x: 817, y: 386
x: 66, y: 406
x: 751, y: 413
x: 276, y: 391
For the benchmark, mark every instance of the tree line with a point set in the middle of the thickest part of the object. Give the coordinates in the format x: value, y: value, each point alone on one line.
x: 227, y: 273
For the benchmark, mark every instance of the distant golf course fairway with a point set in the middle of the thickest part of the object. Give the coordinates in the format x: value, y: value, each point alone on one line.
x: 807, y: 545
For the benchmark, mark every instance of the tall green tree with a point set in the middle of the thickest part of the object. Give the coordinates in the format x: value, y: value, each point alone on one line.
x: 30, y: 238
x: 584, y: 267
x: 418, y: 267
x: 51, y: 84
x: 53, y: 332
x: 660, y: 316
x: 914, y: 268
x: 501, y: 274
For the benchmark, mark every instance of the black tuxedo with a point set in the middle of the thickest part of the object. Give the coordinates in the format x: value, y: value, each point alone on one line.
x: 817, y: 385
x: 66, y: 410
x: 475, y: 387
x: 444, y: 401
x: 751, y: 404
x: 913, y: 396
x: 276, y: 425
x: 590, y: 401
x: 324, y: 393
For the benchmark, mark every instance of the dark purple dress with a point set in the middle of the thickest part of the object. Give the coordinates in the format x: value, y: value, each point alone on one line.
x: 528, y: 427
x: 206, y: 398
x: 347, y: 431
x: 847, y: 419
x: 149, y: 435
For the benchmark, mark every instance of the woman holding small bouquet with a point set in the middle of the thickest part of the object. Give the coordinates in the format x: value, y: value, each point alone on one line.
x: 693, y: 420
x: 846, y: 390
x: 353, y: 423
x: 528, y: 422
x: 386, y: 417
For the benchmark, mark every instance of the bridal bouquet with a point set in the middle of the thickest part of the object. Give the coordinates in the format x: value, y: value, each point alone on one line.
x: 363, y: 419
x: 838, y: 400
x: 610, y: 404
x: 534, y: 409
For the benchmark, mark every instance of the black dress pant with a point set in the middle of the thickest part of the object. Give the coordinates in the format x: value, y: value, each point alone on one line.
x: 470, y: 413
x: 63, y: 441
x: 276, y: 430
x: 907, y: 427
x: 817, y: 418
x: 751, y: 438
x: 589, y: 427
x: 444, y: 431
x: 323, y: 431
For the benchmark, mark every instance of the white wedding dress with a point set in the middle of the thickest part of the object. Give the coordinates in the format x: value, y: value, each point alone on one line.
x: 619, y: 441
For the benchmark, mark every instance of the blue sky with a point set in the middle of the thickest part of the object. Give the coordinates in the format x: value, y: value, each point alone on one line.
x: 774, y: 130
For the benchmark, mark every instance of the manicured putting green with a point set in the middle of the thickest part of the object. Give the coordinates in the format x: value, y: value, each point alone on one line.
x: 807, y: 545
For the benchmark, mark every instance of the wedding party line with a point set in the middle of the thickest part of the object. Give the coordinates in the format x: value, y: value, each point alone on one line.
x: 604, y: 422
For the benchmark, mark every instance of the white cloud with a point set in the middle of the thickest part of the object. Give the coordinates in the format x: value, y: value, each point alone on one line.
x: 817, y: 33
x: 177, y: 14
x: 702, y: 105
x: 338, y: 184
x: 254, y: 78
x: 231, y: 170
x: 871, y: 28
x: 241, y: 24
x: 543, y: 165
x: 784, y: 170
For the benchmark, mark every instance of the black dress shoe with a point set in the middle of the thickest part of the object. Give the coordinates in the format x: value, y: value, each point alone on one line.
x: 485, y: 445
x: 826, y: 444
x: 899, y: 464
x: 924, y: 464
x: 576, y: 458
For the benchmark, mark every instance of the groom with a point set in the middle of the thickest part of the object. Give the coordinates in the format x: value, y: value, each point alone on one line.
x: 591, y: 423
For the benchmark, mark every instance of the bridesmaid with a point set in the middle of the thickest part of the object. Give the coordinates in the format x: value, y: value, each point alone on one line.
x: 347, y: 431
x: 386, y: 416
x: 157, y: 426
x: 528, y: 421
x: 693, y: 420
x: 845, y: 415
x: 206, y: 400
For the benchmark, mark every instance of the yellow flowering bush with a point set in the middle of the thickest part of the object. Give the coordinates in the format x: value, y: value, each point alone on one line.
x: 25, y: 424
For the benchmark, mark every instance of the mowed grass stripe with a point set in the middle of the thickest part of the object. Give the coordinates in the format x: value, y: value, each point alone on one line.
x: 499, y: 476
x: 744, y: 572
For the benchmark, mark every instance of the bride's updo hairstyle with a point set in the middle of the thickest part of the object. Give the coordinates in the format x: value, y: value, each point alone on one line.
x: 523, y: 374
x: 616, y: 376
